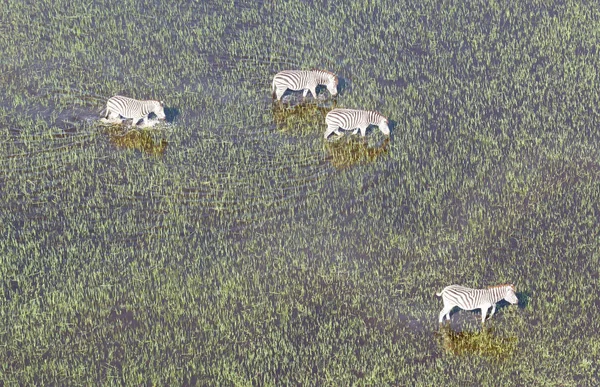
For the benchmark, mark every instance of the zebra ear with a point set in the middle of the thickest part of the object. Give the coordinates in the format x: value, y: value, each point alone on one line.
x: 161, y: 103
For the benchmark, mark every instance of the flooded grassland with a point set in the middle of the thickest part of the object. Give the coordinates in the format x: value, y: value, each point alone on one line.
x: 233, y: 245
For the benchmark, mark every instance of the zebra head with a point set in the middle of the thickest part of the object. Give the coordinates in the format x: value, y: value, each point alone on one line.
x: 511, y: 295
x: 332, y: 84
x: 159, y: 110
x: 384, y: 126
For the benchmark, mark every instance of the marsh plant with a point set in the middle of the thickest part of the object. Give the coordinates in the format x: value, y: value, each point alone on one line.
x: 350, y: 150
x: 253, y: 252
x: 141, y: 140
x: 305, y: 118
x: 482, y: 342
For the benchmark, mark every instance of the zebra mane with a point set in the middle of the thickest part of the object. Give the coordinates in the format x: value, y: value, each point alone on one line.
x: 503, y: 286
x: 335, y: 77
x: 379, y: 114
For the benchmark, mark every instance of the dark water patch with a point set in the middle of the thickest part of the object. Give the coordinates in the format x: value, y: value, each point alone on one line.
x: 344, y: 86
x: 171, y: 114
x: 524, y: 299
x: 28, y: 148
x: 482, y: 182
x: 122, y: 318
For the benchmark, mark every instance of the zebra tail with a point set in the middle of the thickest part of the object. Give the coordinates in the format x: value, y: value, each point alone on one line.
x: 273, y: 89
x: 104, y: 112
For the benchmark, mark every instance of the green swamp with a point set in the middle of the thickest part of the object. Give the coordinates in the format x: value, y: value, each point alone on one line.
x: 234, y: 246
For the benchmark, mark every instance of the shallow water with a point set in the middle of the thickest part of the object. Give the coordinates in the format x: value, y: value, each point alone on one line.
x: 238, y: 239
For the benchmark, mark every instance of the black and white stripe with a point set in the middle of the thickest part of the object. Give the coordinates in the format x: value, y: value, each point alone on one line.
x: 469, y: 299
x: 119, y: 106
x: 306, y: 80
x: 349, y: 119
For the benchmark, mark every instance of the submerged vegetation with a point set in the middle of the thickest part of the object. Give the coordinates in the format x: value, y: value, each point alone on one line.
x: 348, y: 151
x: 252, y: 252
x: 479, y: 343
x: 304, y: 118
x: 139, y: 139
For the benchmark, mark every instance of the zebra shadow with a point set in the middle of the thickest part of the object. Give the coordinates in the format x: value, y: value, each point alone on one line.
x: 392, y: 124
x: 524, y: 298
x: 484, y: 342
x: 344, y: 86
x: 171, y: 114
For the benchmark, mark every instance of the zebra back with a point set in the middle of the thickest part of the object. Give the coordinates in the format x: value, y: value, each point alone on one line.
x: 469, y: 298
x: 463, y: 297
x: 350, y: 117
x: 299, y: 79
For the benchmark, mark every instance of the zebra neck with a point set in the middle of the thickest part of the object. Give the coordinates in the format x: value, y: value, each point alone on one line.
x: 496, y: 294
x: 323, y: 78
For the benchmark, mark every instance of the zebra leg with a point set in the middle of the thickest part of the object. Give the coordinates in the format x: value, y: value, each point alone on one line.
x: 484, y: 310
x: 113, y: 117
x: 442, y: 316
x: 355, y: 131
x: 363, y: 131
x: 446, y: 312
x: 305, y: 93
x: 493, y: 311
x: 338, y: 133
x: 279, y: 94
x: 330, y: 129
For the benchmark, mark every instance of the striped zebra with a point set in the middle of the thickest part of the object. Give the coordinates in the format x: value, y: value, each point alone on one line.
x: 303, y: 80
x: 349, y: 119
x: 469, y: 299
x: 119, y: 106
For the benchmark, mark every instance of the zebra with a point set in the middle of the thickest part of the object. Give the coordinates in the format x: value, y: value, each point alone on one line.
x: 350, y: 119
x: 469, y: 299
x: 119, y: 106
x: 303, y: 80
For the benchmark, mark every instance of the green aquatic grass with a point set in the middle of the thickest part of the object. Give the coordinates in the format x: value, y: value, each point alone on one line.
x: 348, y: 151
x: 478, y: 343
x: 254, y: 252
x: 140, y: 139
